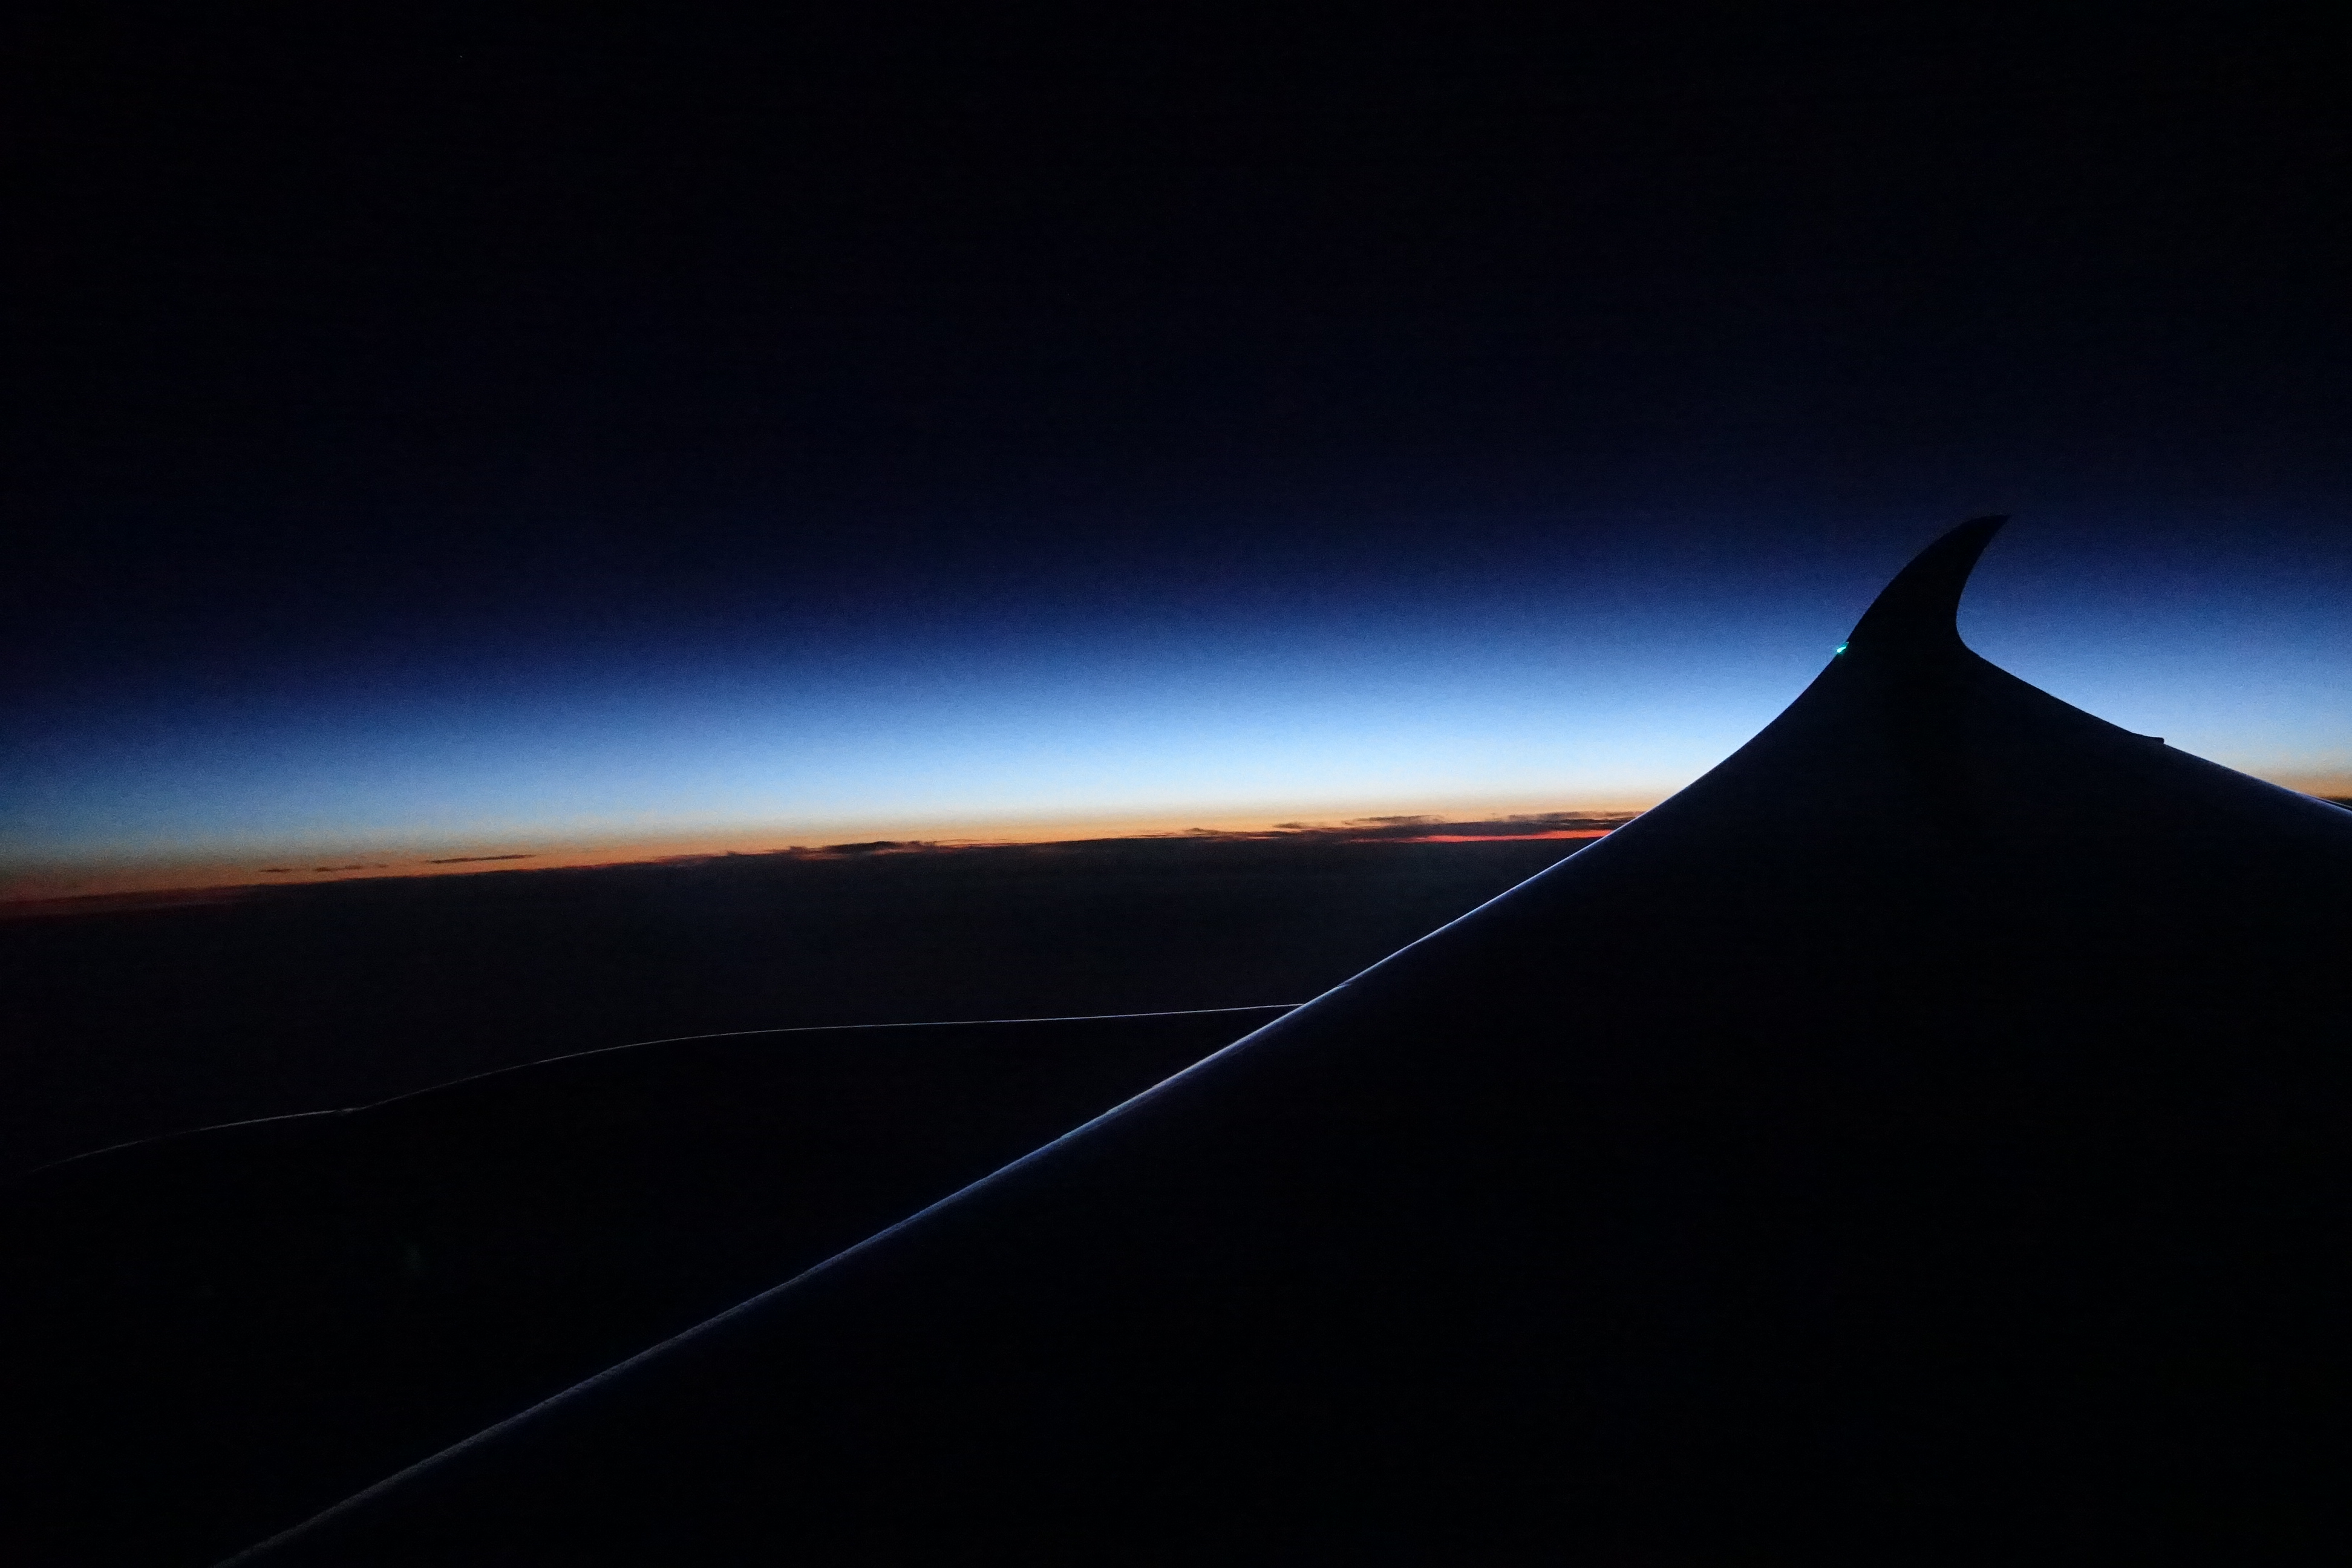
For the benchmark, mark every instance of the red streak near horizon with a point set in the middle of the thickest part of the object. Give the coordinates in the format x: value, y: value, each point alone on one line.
x: 1504, y: 838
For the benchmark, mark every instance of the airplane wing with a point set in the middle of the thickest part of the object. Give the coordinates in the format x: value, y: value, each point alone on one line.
x: 1926, y: 1132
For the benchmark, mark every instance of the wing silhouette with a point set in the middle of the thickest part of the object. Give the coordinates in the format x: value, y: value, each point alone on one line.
x: 1924, y: 1131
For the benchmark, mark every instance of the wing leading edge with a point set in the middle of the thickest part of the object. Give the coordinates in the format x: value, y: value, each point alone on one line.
x: 1925, y: 1129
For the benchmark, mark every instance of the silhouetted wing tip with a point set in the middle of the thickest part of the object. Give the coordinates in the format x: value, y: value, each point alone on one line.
x: 1917, y: 613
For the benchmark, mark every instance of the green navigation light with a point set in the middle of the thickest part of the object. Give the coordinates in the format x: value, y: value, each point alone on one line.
x: 1839, y: 649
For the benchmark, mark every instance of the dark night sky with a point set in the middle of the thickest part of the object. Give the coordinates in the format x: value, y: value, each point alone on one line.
x: 445, y: 430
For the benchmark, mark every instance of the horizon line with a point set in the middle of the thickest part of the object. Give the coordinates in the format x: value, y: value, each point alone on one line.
x: 156, y: 888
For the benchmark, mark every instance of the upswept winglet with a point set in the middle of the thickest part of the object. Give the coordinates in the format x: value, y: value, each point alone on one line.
x: 1915, y: 617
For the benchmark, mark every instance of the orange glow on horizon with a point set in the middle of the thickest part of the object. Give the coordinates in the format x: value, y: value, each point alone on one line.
x: 166, y: 880
x: 1504, y: 837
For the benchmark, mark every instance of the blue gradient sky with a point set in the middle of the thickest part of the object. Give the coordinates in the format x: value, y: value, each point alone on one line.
x: 1606, y: 673
x: 435, y: 433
